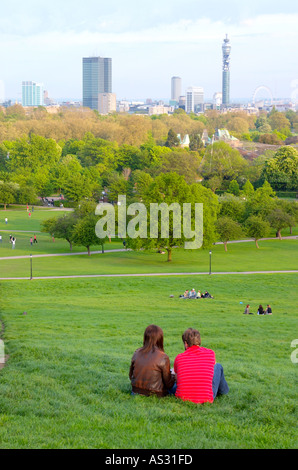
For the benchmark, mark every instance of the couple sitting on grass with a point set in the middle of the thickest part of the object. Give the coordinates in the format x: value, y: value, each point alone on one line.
x: 196, y: 376
x: 195, y: 295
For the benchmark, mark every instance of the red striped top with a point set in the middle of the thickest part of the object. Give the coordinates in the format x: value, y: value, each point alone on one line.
x: 195, y: 370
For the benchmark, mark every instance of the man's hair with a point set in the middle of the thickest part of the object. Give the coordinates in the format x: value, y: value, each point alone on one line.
x: 191, y: 337
x: 153, y: 338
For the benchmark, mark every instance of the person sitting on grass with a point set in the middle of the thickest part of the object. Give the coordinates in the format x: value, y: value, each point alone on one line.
x: 199, y: 378
x: 199, y: 295
x: 150, y: 372
x: 268, y: 310
x: 192, y: 294
x: 207, y: 295
x: 260, y: 310
x: 246, y: 311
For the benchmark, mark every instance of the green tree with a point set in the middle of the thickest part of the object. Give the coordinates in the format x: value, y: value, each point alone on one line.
x: 257, y: 228
x: 83, y: 233
x: 172, y: 139
x: 234, y: 188
x: 61, y: 227
x: 8, y: 192
x: 278, y: 220
x: 228, y: 229
x: 282, y: 170
x: 248, y: 189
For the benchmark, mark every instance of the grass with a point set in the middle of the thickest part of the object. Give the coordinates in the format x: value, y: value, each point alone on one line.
x: 66, y: 383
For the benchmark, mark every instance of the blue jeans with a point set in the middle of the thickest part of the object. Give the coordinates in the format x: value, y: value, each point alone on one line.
x: 219, y: 384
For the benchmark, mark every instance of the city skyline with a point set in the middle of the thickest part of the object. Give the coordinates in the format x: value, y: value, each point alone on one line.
x: 149, y: 46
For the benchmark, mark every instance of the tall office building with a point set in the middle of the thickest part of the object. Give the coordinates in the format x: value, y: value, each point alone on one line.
x: 226, y: 51
x: 194, y: 99
x: 97, y: 80
x: 176, y: 89
x: 32, y: 94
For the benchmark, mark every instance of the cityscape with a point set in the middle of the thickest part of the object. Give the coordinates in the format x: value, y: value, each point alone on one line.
x: 97, y: 94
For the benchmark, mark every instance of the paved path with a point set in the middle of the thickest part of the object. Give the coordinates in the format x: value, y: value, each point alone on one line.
x: 84, y: 276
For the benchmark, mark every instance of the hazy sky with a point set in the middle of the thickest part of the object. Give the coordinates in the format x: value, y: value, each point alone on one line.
x: 149, y: 41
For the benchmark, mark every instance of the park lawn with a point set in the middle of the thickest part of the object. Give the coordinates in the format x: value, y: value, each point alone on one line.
x: 66, y: 382
x: 273, y: 255
x: 44, y: 245
x: 18, y: 219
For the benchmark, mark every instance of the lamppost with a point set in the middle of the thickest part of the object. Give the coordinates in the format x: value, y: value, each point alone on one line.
x: 210, y: 253
x: 31, y: 268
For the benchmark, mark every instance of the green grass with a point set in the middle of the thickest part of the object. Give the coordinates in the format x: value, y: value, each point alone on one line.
x: 273, y: 255
x: 66, y: 383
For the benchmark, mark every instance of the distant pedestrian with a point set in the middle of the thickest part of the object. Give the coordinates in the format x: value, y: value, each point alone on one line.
x: 27, y: 208
x: 29, y: 214
x: 0, y: 238
x: 10, y: 237
x: 35, y: 239
x: 13, y: 243
x: 31, y: 241
x: 6, y: 220
x: 32, y: 210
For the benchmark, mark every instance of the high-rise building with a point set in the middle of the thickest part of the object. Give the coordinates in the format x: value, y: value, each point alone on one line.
x: 194, y: 99
x: 97, y: 80
x: 226, y: 51
x: 32, y: 94
x: 176, y: 89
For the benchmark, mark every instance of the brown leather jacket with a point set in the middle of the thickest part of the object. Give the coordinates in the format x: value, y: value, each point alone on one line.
x: 150, y: 373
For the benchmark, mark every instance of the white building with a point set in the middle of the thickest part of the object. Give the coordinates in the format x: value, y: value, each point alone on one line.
x: 176, y: 88
x: 194, y: 99
x: 106, y: 103
x: 32, y: 94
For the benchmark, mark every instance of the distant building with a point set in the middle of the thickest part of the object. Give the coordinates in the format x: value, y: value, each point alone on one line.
x: 106, y: 103
x: 97, y: 80
x: 176, y: 84
x: 160, y: 109
x: 223, y: 135
x: 32, y: 94
x: 184, y: 143
x: 217, y: 100
x: 226, y: 51
x: 194, y: 99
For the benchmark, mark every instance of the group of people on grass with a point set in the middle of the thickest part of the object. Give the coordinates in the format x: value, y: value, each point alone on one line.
x: 261, y: 311
x: 196, y: 376
x: 192, y: 294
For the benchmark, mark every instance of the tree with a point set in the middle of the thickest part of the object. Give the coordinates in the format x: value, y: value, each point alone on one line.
x: 172, y: 139
x: 232, y: 207
x: 195, y: 142
x: 282, y: 170
x: 61, y: 227
x: 279, y: 219
x: 261, y: 202
x: 248, y: 189
x: 222, y: 160
x: 172, y: 188
x: 279, y: 121
x: 8, y: 193
x: 257, y: 228
x: 234, y: 188
x: 228, y: 229
x: 84, y: 233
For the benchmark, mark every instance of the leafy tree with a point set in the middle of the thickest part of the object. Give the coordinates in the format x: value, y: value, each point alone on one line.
x: 222, y: 160
x: 83, y: 233
x: 172, y: 139
x: 232, y: 207
x: 234, y: 188
x: 195, y: 142
x: 257, y: 228
x: 282, y: 170
x: 278, y: 121
x: 228, y: 229
x: 261, y: 202
x: 61, y: 227
x: 8, y: 193
x: 248, y: 189
x: 279, y: 219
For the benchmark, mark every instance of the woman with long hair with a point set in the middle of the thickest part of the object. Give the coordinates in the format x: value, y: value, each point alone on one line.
x: 150, y: 372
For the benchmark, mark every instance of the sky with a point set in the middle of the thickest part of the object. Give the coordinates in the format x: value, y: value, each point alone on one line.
x: 150, y: 41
